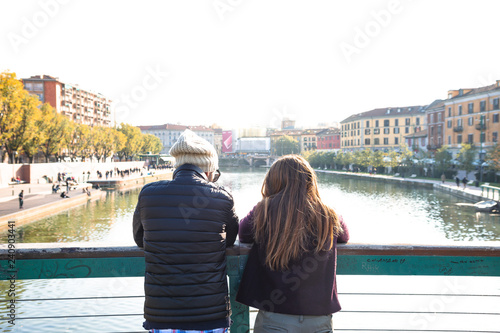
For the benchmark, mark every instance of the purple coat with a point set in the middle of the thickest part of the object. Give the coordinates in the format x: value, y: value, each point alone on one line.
x: 307, y: 288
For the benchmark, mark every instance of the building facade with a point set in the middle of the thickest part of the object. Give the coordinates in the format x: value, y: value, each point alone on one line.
x: 81, y: 106
x: 435, y: 125
x: 473, y: 117
x: 328, y: 139
x: 309, y: 140
x: 169, y: 133
x: 381, y: 129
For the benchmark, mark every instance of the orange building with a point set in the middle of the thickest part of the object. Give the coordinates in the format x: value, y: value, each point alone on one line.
x: 473, y: 117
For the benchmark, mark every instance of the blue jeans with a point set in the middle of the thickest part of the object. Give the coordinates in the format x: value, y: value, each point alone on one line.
x: 270, y: 322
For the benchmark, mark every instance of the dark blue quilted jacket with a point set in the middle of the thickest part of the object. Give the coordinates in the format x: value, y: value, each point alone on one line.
x: 184, y: 226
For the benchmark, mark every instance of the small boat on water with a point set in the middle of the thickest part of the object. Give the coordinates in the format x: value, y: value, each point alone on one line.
x: 491, y: 206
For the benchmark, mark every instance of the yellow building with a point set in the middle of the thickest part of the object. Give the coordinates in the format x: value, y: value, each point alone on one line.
x: 381, y: 129
x: 472, y: 116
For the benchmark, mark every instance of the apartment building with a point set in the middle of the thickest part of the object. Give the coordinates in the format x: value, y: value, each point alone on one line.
x: 308, y: 140
x: 79, y: 105
x: 381, y: 129
x: 473, y: 117
x: 169, y: 133
x: 328, y: 139
x: 435, y: 125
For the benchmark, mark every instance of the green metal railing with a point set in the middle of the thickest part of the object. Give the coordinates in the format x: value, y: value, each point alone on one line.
x: 63, y: 261
x: 492, y: 192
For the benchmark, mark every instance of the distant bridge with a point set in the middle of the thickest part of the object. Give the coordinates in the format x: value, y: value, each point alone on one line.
x: 255, y: 160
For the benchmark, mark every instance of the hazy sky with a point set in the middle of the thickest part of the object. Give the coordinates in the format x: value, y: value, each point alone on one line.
x: 244, y: 63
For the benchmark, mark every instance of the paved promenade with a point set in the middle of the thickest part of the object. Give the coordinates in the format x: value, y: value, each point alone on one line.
x: 470, y: 192
x: 39, y: 197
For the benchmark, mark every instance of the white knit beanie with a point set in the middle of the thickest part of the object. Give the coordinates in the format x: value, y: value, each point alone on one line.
x: 192, y: 149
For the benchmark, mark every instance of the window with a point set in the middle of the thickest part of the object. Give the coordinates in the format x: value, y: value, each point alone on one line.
x: 376, y: 141
x: 407, y: 121
x: 494, y: 136
x: 28, y: 85
x: 386, y: 141
x: 367, y: 141
x: 496, y: 105
x: 396, y: 141
x: 367, y: 124
x: 396, y: 130
x: 386, y: 123
x: 396, y: 122
x: 449, y: 139
x: 460, y: 110
x: 432, y: 118
x: 470, y: 107
x: 367, y: 131
x: 440, y: 117
x: 376, y: 123
x: 459, y: 139
x: 495, y: 118
x: 459, y: 122
x: 471, y: 121
x: 407, y: 130
x: 358, y: 131
x: 439, y: 130
x: 418, y: 121
x: 38, y: 86
x: 387, y: 130
x: 482, y: 106
x: 470, y: 138
x: 432, y: 130
x: 376, y: 131
x: 358, y: 125
x: 449, y: 112
x: 449, y: 124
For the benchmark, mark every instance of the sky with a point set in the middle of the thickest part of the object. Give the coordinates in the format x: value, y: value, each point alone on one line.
x: 249, y: 63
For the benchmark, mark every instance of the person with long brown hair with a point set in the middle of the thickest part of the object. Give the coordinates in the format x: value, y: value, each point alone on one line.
x: 290, y: 275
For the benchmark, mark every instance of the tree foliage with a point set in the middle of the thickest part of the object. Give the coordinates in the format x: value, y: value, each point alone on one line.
x: 286, y: 145
x: 28, y: 127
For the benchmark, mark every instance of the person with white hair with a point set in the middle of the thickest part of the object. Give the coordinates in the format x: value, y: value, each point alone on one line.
x: 184, y: 226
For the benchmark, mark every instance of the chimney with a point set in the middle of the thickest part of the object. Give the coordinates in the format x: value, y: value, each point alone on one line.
x: 498, y: 83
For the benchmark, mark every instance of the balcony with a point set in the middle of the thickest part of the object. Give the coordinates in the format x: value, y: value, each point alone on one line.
x: 481, y: 127
x: 458, y: 129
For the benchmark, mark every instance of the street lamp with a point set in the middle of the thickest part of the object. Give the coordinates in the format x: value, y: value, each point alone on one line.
x: 481, y: 126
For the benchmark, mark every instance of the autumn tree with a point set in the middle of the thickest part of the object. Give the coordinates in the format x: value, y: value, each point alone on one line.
x: 151, y: 144
x: 12, y: 94
x: 56, y: 129
x: 26, y: 130
x: 133, y: 144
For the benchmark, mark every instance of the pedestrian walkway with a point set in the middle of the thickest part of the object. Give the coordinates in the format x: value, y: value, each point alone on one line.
x: 472, y: 192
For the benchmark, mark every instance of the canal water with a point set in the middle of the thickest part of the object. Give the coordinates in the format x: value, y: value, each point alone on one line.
x: 375, y: 212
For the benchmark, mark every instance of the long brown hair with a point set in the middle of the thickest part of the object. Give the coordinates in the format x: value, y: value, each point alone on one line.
x: 291, y: 219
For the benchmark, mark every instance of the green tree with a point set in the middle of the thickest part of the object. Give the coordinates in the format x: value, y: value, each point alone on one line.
x: 378, y: 159
x: 286, y: 145
x: 443, y: 159
x: 493, y: 160
x: 466, y: 157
